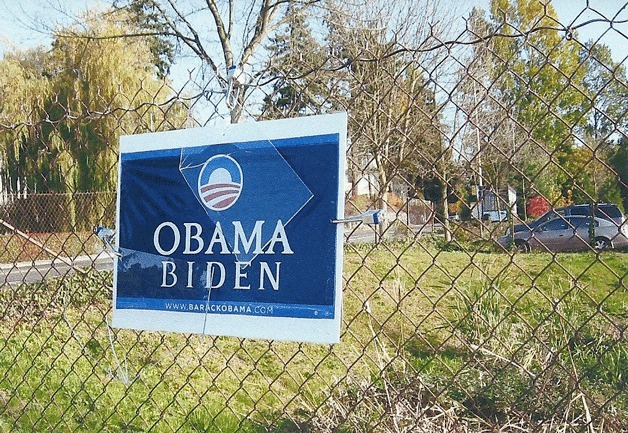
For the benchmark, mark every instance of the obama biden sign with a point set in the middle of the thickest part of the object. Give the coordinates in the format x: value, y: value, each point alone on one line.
x: 229, y: 230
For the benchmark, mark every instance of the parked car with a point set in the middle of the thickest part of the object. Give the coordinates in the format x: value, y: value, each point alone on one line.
x: 571, y: 233
x: 607, y: 211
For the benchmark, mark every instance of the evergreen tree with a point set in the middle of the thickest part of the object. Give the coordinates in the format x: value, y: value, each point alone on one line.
x: 295, y: 58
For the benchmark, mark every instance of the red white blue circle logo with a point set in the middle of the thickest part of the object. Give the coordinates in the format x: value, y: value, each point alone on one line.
x: 220, y: 182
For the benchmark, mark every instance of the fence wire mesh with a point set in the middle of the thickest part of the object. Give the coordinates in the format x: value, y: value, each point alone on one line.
x: 462, y: 312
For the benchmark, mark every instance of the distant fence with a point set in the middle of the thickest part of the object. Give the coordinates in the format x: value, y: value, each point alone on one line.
x: 58, y: 213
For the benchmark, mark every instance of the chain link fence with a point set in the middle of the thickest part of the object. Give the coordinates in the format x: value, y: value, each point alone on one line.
x: 460, y: 313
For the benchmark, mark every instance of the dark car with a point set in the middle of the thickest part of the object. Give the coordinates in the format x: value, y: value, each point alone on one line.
x: 571, y: 233
x: 607, y: 211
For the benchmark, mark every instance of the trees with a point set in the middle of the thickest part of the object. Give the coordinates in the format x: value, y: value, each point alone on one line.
x: 596, y: 176
x: 236, y: 33
x: 536, y: 111
x: 293, y: 67
x: 619, y: 163
x: 77, y: 99
x: 537, y: 82
x: 394, y: 128
x: 488, y: 130
x: 24, y: 86
x: 542, y: 110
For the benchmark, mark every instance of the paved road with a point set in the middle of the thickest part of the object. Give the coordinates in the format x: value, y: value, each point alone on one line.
x: 365, y: 234
x: 31, y: 272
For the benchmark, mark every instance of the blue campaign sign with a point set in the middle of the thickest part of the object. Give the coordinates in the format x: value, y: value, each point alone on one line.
x: 228, y: 230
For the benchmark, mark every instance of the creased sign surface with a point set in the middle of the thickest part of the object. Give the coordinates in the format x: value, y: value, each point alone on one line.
x: 228, y: 231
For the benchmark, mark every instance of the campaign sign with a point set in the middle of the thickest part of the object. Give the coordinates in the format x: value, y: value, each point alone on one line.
x: 228, y: 230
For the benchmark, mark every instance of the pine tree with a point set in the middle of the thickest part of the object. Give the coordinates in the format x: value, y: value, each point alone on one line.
x: 295, y: 57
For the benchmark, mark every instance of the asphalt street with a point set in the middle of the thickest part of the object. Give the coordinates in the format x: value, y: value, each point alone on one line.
x: 32, y: 272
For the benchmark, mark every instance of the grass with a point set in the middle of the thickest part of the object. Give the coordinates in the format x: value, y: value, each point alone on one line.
x: 436, y: 340
x: 14, y: 248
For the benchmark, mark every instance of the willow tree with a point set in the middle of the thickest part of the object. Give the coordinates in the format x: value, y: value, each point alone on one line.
x: 25, y: 85
x: 106, y: 87
x: 72, y: 104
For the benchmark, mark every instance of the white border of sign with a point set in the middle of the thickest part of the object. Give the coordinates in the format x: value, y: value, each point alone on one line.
x: 277, y: 328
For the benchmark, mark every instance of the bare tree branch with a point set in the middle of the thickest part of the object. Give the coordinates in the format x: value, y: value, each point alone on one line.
x: 223, y: 35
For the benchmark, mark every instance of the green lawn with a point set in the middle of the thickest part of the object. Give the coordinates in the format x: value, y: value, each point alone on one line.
x: 15, y: 248
x: 444, y: 338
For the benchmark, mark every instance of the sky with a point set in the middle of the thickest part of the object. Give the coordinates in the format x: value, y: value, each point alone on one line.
x: 18, y: 32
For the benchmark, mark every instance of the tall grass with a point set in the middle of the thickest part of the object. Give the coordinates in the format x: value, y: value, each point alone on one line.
x: 14, y: 248
x: 433, y: 340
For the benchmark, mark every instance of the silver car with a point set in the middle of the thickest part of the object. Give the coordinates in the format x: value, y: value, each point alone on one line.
x: 572, y: 233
